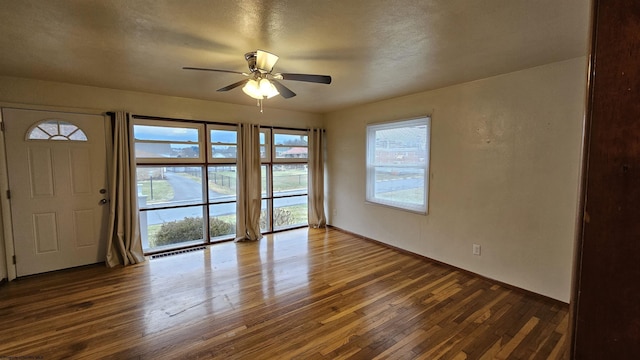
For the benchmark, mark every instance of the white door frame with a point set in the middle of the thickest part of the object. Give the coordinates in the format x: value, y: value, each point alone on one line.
x: 5, y: 206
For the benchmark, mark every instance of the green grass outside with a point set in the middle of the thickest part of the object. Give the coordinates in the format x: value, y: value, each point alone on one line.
x: 152, y: 231
x: 289, y: 180
x: 299, y: 213
x: 285, y: 180
x: 162, y: 190
x: 412, y: 196
x: 223, y: 182
x: 383, y: 176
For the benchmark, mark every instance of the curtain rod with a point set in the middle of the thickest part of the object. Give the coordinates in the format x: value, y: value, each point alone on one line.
x: 146, y: 117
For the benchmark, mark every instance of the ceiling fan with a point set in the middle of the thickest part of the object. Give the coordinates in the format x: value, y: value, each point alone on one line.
x: 261, y: 82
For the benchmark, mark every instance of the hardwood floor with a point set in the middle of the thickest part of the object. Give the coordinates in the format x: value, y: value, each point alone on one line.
x: 303, y: 294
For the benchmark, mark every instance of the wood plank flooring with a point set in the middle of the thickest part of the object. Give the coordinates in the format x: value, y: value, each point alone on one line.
x: 302, y: 294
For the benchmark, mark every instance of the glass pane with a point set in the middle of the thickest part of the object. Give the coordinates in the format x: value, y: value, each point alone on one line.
x: 222, y: 221
x: 265, y: 224
x: 66, y: 129
x: 38, y: 134
x: 264, y: 145
x: 290, y: 146
x: 56, y: 130
x: 290, y: 212
x: 289, y: 179
x: 167, y: 150
x: 165, y: 133
x: 224, y: 151
x: 400, y: 185
x: 170, y: 228
x: 224, y: 136
x: 50, y: 127
x: 222, y: 183
x: 405, y: 146
x: 161, y: 186
x: 78, y: 136
x: 287, y: 152
x: 264, y: 185
x: 290, y: 140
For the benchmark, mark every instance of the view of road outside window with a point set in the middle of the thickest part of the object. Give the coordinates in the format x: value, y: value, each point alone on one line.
x: 284, y: 179
x: 398, y: 164
x: 179, y: 208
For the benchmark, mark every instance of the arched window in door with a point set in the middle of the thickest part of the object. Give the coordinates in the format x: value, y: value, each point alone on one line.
x: 56, y: 130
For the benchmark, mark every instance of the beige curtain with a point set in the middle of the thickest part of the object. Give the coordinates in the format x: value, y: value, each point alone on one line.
x: 124, y: 244
x: 249, y: 184
x: 316, y: 178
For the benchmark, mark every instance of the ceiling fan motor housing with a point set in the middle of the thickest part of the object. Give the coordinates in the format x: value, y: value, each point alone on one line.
x: 251, y: 61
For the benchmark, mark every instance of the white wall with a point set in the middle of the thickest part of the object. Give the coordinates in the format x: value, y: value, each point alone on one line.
x: 35, y: 94
x: 505, y: 158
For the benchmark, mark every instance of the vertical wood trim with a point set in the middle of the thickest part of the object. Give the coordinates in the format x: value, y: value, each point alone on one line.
x: 606, y: 306
x: 6, y: 236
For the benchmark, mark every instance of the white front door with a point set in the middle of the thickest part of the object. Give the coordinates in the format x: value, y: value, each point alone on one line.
x: 58, y: 187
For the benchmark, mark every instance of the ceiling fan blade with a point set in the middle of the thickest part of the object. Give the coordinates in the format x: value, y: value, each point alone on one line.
x: 283, y: 90
x: 321, y: 79
x: 216, y: 70
x: 234, y: 85
x: 266, y: 60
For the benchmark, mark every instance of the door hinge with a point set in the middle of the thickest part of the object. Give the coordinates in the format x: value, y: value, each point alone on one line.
x: 2, y: 126
x: 14, y: 259
x: 8, y: 194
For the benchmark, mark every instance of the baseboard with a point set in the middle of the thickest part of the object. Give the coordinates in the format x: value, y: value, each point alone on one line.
x: 545, y: 298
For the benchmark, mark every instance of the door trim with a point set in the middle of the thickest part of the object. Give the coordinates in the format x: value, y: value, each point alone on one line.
x: 7, y: 229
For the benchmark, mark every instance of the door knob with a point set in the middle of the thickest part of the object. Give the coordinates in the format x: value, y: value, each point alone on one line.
x: 103, y: 201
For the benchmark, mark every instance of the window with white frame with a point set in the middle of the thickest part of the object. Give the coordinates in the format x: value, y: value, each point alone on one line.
x: 222, y: 180
x: 284, y: 156
x: 186, y: 177
x: 398, y: 164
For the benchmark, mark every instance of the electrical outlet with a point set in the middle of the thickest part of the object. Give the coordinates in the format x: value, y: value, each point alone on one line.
x: 335, y: 212
x: 476, y: 249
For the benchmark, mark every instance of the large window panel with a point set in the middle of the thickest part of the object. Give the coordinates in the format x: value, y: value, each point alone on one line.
x: 224, y: 143
x: 162, y: 186
x: 265, y: 185
x: 290, y: 179
x: 290, y: 212
x: 158, y: 141
x: 186, y: 177
x: 222, y: 183
x: 222, y: 221
x: 265, y: 216
x: 285, y: 178
x: 290, y: 146
x: 398, y: 164
x: 265, y: 144
x: 172, y: 227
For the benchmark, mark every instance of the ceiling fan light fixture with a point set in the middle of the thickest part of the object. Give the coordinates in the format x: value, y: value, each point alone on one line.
x: 260, y: 89
x: 267, y: 89
x: 252, y: 89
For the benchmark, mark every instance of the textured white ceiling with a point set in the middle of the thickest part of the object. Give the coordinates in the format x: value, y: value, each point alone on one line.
x: 373, y: 49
